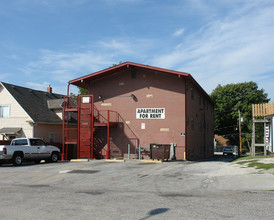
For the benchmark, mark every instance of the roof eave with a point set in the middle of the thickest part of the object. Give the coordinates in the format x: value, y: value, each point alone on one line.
x: 84, y: 81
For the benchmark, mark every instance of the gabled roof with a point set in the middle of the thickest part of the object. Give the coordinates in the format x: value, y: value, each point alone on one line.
x: 84, y: 81
x: 35, y: 103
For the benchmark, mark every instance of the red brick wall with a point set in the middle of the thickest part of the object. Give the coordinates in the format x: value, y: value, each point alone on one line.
x: 200, y: 128
x: 152, y: 90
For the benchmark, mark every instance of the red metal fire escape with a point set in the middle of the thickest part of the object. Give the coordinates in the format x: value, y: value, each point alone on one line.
x: 81, y: 121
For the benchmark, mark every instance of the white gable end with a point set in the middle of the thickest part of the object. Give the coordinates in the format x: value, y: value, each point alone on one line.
x: 17, y: 115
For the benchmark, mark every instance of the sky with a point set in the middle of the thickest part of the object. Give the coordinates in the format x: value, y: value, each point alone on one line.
x: 50, y: 42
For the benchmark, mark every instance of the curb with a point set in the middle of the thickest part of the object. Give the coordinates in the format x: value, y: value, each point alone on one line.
x: 115, y: 160
x: 79, y: 160
x: 151, y: 161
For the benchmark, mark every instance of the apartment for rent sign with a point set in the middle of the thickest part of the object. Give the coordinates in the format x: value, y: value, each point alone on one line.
x: 150, y: 113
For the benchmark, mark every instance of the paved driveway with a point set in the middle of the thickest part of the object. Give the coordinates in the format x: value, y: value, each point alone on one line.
x: 135, y: 190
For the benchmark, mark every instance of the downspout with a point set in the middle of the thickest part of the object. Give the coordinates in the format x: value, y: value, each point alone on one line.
x: 68, y: 90
x: 186, y: 133
x: 63, y: 146
x: 65, y: 125
x: 204, y: 127
x: 272, y: 136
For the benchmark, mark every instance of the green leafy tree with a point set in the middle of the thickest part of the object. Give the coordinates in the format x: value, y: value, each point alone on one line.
x: 82, y: 91
x: 231, y: 98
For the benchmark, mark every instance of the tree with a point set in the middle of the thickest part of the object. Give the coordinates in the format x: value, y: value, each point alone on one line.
x: 231, y: 98
x: 82, y: 91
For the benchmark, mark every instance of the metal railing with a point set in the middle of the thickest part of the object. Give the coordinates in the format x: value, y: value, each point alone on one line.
x: 105, y: 116
x: 70, y: 134
x: 70, y: 102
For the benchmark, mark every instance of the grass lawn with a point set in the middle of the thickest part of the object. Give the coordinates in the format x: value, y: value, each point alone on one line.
x: 253, y: 162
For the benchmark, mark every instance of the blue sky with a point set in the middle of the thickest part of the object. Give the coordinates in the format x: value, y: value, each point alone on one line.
x: 46, y: 42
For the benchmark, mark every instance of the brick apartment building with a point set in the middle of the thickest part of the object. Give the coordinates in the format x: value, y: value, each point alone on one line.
x: 146, y: 105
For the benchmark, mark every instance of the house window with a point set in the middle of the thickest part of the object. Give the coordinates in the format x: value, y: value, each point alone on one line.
x: 4, y: 111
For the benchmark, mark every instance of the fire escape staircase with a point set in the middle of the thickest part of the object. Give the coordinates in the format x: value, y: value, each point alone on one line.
x: 82, y: 123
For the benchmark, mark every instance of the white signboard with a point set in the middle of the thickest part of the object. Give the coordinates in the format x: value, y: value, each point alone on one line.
x: 85, y: 100
x: 150, y: 113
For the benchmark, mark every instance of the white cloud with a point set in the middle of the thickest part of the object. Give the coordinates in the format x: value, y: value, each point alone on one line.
x: 63, y: 66
x: 118, y: 46
x: 38, y: 86
x: 238, y: 48
x: 178, y: 32
x: 60, y: 67
x: 56, y: 88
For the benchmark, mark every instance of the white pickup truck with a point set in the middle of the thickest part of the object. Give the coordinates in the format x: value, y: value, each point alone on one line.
x: 33, y: 149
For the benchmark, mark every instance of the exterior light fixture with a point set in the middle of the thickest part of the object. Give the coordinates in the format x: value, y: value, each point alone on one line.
x: 134, y: 97
x: 100, y: 97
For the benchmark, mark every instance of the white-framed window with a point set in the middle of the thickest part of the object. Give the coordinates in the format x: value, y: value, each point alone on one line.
x: 4, y: 111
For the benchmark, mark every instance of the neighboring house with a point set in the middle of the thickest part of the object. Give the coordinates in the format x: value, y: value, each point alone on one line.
x: 149, y: 104
x: 26, y: 112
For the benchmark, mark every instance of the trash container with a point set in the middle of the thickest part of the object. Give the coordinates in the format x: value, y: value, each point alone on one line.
x: 160, y: 151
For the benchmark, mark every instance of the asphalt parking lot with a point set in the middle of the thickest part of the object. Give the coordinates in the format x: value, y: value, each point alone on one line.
x: 97, y: 189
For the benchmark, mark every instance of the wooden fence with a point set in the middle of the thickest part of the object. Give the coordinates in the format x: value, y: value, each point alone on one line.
x: 266, y: 109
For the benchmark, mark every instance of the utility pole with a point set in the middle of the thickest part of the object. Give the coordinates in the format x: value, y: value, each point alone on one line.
x: 240, y: 135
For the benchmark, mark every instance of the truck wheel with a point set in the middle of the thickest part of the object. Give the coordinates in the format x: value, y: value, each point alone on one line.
x: 17, y: 159
x: 54, y: 157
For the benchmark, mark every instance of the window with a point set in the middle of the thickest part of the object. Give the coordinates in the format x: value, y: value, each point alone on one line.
x: 4, y: 111
x: 20, y: 142
x: 37, y: 142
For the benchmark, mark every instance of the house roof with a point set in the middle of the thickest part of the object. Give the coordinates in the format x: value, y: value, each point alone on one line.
x: 84, y: 81
x: 35, y: 103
